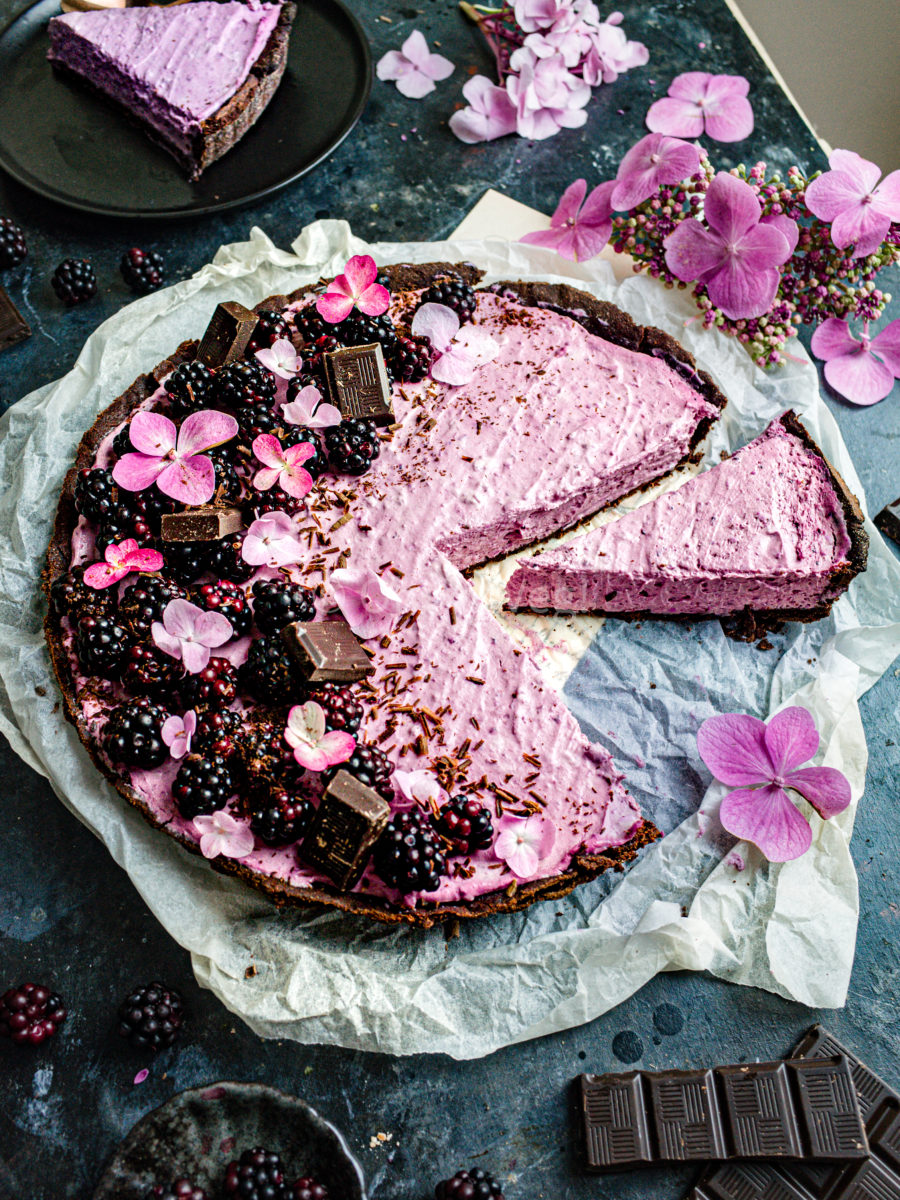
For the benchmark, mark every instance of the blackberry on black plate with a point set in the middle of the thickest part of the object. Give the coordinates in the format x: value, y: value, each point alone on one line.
x: 204, y: 784
x: 150, y: 671
x: 278, y: 602
x: 186, y: 562
x: 230, y: 600
x: 225, y: 559
x: 352, y: 446
x: 179, y: 1189
x: 74, y: 281
x: 269, y: 328
x: 409, y: 854
x: 269, y: 674
x: 342, y: 709
x: 245, y: 382
x: 30, y: 1013
x: 257, y: 1175
x: 217, y: 732
x: 278, y: 817
x: 469, y: 1185
x: 216, y: 685
x: 142, y: 270
x: 145, y: 600
x: 410, y: 360
x: 151, y: 1017
x: 454, y: 293
x: 12, y: 243
x: 466, y: 823
x: 371, y: 766
x: 96, y: 494
x: 101, y: 646
x: 308, y: 1188
x: 189, y: 388
x: 133, y: 734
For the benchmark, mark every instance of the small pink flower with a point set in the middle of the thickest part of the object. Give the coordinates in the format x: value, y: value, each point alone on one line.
x: 861, y: 369
x: 546, y: 95
x: 860, y: 209
x: 458, y: 352
x: 221, y: 834
x: 172, y: 458
x: 282, y: 465
x: 699, y: 103
x: 738, y: 256
x: 307, y: 409
x: 761, y: 761
x: 189, y: 633
x: 419, y: 787
x: 121, y: 560
x: 281, y: 358
x: 355, y: 288
x: 580, y: 227
x: 413, y: 67
x: 611, y: 53
x: 521, y: 845
x: 272, y: 541
x: 650, y: 164
x: 178, y: 731
x: 369, y: 604
x: 489, y: 114
x: 313, y: 748
x: 735, y: 861
x: 539, y: 14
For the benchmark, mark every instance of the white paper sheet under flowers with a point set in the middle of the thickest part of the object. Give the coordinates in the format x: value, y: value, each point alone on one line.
x: 640, y: 690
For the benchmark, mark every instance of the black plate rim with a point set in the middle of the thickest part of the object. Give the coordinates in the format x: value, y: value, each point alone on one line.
x: 185, y: 214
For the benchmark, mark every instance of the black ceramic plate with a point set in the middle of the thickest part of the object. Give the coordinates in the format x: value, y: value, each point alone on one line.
x: 197, y: 1133
x: 69, y: 146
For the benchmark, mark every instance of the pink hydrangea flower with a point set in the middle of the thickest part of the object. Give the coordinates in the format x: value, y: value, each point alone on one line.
x: 307, y: 409
x: 699, y: 103
x: 861, y: 210
x: 282, y: 465
x: 413, y: 67
x: 121, y: 560
x: 369, y: 604
x: 280, y: 358
x: 522, y: 845
x: 540, y: 14
x: 189, y: 633
x: 272, y: 541
x: 177, y: 733
x: 738, y: 256
x: 313, y: 748
x: 861, y: 369
x: 221, y: 834
x: 355, y: 288
x: 459, y: 352
x: 650, y: 163
x: 489, y: 114
x: 173, y: 458
x: 546, y: 95
x: 762, y: 763
x: 419, y: 787
x: 611, y: 53
x: 581, y: 226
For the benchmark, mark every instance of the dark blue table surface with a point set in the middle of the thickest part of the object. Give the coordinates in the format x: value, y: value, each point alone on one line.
x: 70, y: 916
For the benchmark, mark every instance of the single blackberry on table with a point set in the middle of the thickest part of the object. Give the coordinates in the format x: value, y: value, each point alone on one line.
x: 179, y: 1189
x: 409, y: 854
x: 245, y: 382
x: 360, y: 330
x: 189, y: 388
x: 30, y: 1013
x: 230, y: 600
x: 466, y: 823
x: 13, y: 249
x: 217, y: 731
x: 469, y: 1185
x: 145, y: 600
x: 342, y: 709
x: 69, y: 594
x: 269, y: 674
x: 96, y: 494
x: 308, y: 1188
x: 101, y: 646
x: 454, y: 293
x: 204, y: 784
x: 352, y: 446
x: 142, y: 270
x: 257, y: 1175
x: 278, y: 817
x: 133, y: 734
x: 185, y: 562
x: 310, y: 324
x: 225, y: 559
x: 216, y: 685
x: 74, y: 281
x: 371, y: 766
x: 150, y: 671
x: 278, y: 602
x: 269, y: 328
x: 151, y: 1018
x: 410, y: 360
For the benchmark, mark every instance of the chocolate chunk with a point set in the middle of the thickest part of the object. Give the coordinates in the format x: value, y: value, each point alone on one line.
x: 888, y: 521
x: 327, y: 651
x: 346, y: 826
x: 227, y: 334
x: 206, y: 524
x: 875, y: 1178
x: 13, y: 326
x: 358, y: 383
x: 797, y: 1109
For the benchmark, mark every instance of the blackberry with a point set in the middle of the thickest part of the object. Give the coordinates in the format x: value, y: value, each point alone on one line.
x: 151, y: 1018
x: 279, y: 818
x: 95, y: 494
x: 410, y: 360
x: 118, y: 528
x: 12, y: 243
x: 469, y: 1185
x: 308, y: 1188
x: 142, y: 270
x: 453, y: 293
x: 179, y: 1189
x: 360, y: 330
x: 314, y: 358
x: 122, y: 441
x: 216, y: 685
x: 294, y: 435
x: 189, y: 388
x: 254, y: 419
x: 225, y: 560
x: 137, y: 515
x: 149, y: 671
x: 228, y: 599
x: 185, y: 562
x: 266, y: 756
x: 133, y: 735
x: 352, y: 446
x: 269, y: 328
x: 467, y: 824
x: 341, y: 707
x: 30, y: 1013
x: 70, y: 595
x: 277, y: 602
x: 228, y: 482
x: 216, y: 732
x: 101, y: 646
x: 408, y: 855
x: 203, y: 784
x: 246, y: 382
x: 371, y: 766
x: 257, y: 1175
x: 74, y: 281
x: 269, y: 674
x: 309, y: 324
x: 144, y: 602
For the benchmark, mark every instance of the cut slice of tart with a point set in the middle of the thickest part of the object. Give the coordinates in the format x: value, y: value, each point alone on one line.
x: 772, y: 532
x: 195, y: 76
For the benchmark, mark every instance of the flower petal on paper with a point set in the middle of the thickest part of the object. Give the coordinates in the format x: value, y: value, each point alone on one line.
x: 791, y: 738
x: 733, y: 746
x: 766, y: 817
x: 826, y: 789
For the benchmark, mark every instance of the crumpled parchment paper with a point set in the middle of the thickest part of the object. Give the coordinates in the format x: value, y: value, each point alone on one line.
x: 640, y: 690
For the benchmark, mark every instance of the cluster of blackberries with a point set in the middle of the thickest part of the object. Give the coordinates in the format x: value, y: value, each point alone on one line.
x: 30, y: 1013
x: 259, y: 1174
x: 475, y: 1184
x: 411, y: 855
x: 13, y: 249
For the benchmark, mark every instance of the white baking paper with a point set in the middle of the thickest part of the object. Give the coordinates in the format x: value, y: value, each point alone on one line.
x: 641, y: 690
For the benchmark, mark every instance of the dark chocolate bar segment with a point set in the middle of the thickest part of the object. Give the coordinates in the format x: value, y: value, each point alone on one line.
x: 888, y: 521
x: 347, y: 824
x: 204, y: 524
x: 358, y: 383
x: 13, y: 326
x: 227, y: 334
x: 326, y: 651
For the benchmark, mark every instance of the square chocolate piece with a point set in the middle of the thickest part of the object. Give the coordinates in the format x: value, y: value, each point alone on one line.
x: 205, y: 524
x: 888, y: 521
x: 327, y: 651
x: 358, y: 383
x: 348, y: 823
x: 13, y: 326
x: 227, y: 334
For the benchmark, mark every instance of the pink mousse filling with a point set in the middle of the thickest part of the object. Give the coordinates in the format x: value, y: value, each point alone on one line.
x: 765, y: 529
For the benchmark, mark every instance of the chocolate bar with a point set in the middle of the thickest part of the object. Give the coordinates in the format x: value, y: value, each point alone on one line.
x: 13, y: 326
x: 888, y: 521
x: 227, y: 334
x: 326, y: 651
x: 347, y: 824
x: 875, y: 1178
x: 795, y: 1109
x: 358, y: 383
x: 205, y: 524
